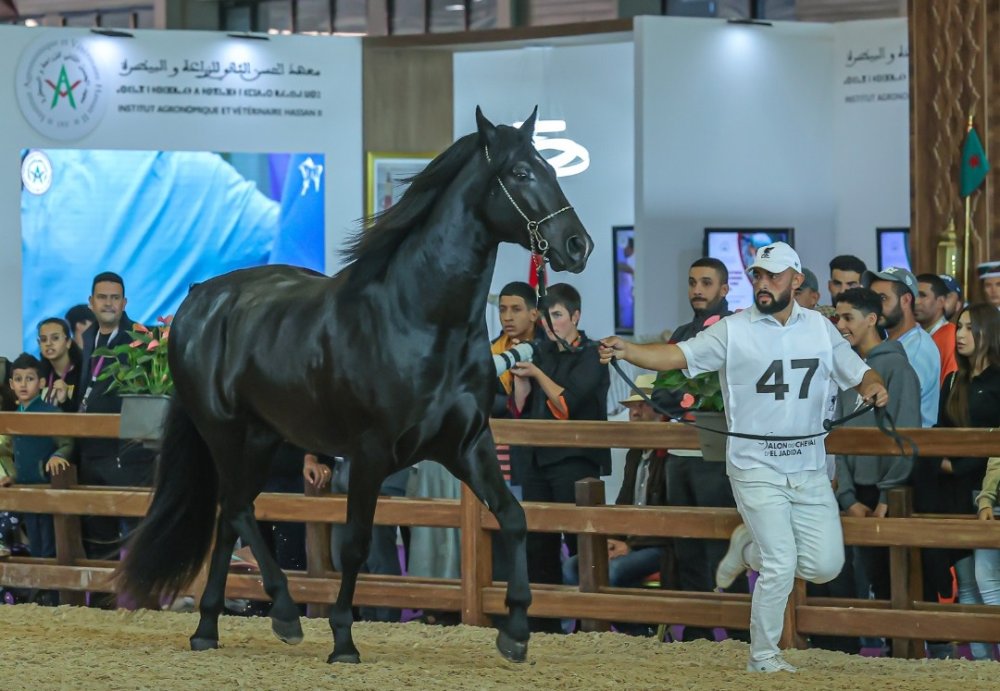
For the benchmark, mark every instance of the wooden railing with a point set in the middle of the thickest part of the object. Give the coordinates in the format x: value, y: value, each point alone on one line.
x: 904, y: 618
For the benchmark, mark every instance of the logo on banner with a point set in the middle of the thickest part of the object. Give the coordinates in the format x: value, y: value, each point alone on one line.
x: 59, y: 87
x: 36, y: 172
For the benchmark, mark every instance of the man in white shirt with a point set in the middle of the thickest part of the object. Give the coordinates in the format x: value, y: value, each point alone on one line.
x: 776, y: 361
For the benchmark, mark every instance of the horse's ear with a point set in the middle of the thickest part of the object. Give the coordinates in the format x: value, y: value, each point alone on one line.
x: 527, y: 128
x: 484, y: 126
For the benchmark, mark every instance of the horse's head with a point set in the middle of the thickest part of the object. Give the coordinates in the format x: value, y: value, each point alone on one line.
x: 528, y: 207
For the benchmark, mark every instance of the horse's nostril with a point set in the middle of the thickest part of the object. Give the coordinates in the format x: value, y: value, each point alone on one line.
x: 576, y: 246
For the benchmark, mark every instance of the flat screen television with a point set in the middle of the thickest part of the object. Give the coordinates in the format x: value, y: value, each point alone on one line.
x: 893, y: 248
x: 623, y: 239
x: 736, y: 248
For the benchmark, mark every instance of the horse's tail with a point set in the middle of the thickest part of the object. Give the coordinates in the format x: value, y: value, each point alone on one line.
x: 166, y: 551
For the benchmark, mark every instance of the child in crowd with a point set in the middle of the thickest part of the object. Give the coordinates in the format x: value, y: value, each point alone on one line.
x: 7, y: 403
x: 60, y: 363
x: 36, y: 458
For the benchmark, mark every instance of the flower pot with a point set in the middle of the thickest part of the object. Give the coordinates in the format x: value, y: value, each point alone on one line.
x: 142, y: 418
x: 713, y: 444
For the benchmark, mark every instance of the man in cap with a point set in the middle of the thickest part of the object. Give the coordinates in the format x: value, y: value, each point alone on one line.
x: 807, y: 294
x: 953, y: 300
x: 989, y: 274
x: 775, y: 361
x: 899, y: 290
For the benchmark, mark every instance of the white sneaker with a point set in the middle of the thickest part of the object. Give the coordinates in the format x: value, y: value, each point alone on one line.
x: 771, y: 664
x: 733, y: 563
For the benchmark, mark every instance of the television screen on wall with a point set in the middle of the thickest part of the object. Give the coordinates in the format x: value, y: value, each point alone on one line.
x: 624, y: 274
x: 736, y: 247
x: 893, y: 248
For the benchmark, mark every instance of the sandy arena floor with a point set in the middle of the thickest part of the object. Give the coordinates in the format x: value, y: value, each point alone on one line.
x: 74, y: 648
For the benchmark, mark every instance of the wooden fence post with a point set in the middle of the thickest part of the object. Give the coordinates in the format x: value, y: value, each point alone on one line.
x: 318, y: 561
x: 477, y: 559
x: 790, y: 636
x: 592, y: 550
x: 69, y: 538
x: 900, y: 506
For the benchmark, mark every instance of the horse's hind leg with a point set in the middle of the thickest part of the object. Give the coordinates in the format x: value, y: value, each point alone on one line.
x: 480, y: 470
x: 213, y: 597
x: 284, y: 614
x: 362, y: 496
x: 244, y: 459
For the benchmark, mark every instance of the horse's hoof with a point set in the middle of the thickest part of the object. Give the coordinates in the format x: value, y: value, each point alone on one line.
x: 349, y: 658
x: 204, y: 644
x: 515, y: 651
x: 287, y: 631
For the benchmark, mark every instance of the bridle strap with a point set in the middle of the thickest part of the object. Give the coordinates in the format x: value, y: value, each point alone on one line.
x: 539, y: 245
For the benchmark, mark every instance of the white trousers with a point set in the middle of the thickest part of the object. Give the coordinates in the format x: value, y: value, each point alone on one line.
x: 796, y: 532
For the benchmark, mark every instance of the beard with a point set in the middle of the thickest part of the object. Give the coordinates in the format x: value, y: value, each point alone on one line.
x: 778, y: 302
x: 700, y: 309
x: 890, y: 320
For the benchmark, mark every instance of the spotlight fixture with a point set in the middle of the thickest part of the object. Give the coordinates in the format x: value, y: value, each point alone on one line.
x: 113, y: 33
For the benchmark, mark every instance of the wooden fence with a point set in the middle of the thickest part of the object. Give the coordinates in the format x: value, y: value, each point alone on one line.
x: 905, y: 618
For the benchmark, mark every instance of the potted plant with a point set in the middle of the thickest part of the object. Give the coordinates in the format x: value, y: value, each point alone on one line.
x: 139, y: 373
x: 700, y: 398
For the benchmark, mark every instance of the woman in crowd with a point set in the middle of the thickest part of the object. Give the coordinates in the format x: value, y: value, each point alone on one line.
x: 970, y: 397
x: 61, y: 358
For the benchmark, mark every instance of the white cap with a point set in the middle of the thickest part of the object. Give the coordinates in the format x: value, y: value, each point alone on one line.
x: 988, y: 270
x: 775, y: 258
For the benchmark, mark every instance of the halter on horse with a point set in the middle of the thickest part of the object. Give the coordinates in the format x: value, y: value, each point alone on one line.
x: 386, y: 363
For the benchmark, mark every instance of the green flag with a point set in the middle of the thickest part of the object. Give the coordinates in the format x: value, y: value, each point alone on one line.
x: 974, y: 164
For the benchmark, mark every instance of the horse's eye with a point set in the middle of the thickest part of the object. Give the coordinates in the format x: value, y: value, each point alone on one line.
x: 521, y: 172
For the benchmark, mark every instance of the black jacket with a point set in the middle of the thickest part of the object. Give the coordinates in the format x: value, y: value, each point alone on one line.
x: 671, y: 400
x: 586, y: 383
x: 938, y: 492
x: 656, y: 490
x: 99, y: 399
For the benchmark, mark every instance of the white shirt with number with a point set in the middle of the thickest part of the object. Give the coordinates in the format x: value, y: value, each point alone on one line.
x: 775, y: 380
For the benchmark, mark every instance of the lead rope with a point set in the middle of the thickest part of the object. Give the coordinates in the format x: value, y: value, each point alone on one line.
x: 882, y: 418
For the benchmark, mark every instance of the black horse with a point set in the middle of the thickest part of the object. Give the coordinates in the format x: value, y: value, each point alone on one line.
x: 386, y: 363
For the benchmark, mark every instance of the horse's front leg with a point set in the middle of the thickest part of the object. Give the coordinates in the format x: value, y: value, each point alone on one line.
x: 362, y: 496
x: 480, y: 470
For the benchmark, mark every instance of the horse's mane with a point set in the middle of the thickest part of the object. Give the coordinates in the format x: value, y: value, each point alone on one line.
x: 371, y: 247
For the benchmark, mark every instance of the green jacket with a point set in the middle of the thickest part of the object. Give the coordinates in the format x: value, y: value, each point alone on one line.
x: 987, y: 499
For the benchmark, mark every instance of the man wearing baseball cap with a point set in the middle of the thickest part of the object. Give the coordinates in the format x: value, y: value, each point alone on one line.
x: 807, y: 294
x: 989, y: 274
x: 898, y: 288
x: 776, y: 362
x: 953, y: 301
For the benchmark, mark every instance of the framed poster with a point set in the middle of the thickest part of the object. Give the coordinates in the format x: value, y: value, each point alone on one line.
x: 736, y: 248
x: 388, y: 176
x: 623, y: 242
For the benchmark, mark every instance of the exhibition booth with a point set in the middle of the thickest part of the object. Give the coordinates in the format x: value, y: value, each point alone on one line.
x: 172, y: 156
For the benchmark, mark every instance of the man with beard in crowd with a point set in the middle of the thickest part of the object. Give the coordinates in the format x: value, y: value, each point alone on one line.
x: 776, y: 361
x: 691, y: 480
x: 899, y: 290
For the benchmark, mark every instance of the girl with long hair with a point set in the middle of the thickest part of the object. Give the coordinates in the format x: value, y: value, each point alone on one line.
x: 61, y: 357
x: 970, y: 398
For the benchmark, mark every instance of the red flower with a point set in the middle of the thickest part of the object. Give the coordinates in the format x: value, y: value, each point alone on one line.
x: 687, y: 401
x: 165, y: 320
x: 135, y: 344
x: 140, y: 328
x: 152, y: 345
x: 165, y: 334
